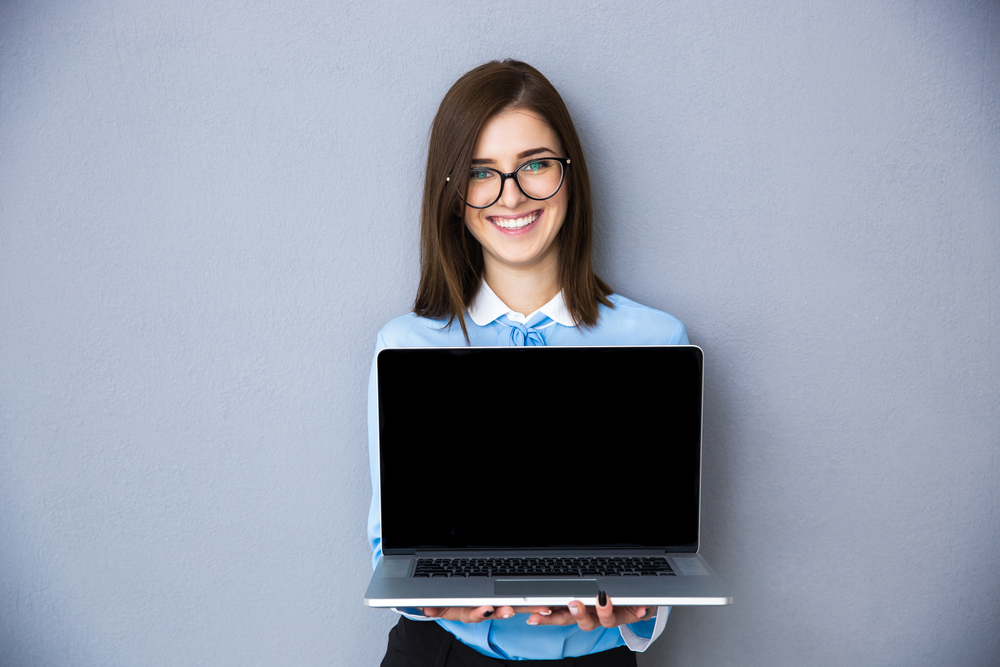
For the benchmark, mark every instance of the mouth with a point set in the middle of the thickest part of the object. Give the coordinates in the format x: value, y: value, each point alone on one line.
x: 511, y: 223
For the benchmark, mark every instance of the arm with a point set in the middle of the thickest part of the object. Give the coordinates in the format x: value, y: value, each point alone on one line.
x: 374, y: 511
x: 635, y: 634
x: 464, y: 614
x: 638, y: 636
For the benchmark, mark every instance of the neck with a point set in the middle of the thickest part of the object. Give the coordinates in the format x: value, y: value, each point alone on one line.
x: 524, y: 291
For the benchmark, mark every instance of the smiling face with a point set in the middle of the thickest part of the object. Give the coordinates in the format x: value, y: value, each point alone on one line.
x: 518, y: 233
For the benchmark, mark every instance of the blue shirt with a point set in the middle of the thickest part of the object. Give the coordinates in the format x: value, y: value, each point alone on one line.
x: 628, y: 323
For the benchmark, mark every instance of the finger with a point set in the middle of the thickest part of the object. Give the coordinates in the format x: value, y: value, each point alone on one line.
x: 543, y: 610
x: 584, y: 616
x: 463, y: 614
x: 504, y: 612
x: 553, y: 617
x: 606, y: 611
x: 480, y: 614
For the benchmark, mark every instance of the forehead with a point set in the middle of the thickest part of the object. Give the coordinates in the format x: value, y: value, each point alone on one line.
x: 513, y: 131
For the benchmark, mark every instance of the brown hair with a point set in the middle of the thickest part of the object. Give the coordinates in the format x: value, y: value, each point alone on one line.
x: 451, y: 259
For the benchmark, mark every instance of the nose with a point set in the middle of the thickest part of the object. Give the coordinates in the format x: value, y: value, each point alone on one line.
x: 511, y: 195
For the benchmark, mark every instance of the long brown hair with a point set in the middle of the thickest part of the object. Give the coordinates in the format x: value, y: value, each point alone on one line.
x: 451, y: 259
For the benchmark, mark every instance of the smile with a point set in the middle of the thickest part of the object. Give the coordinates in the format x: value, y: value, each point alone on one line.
x: 515, y: 223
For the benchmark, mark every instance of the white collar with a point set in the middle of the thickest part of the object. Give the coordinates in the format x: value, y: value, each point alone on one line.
x: 487, y: 306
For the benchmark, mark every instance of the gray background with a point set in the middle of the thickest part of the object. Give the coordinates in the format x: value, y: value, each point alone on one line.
x: 208, y: 213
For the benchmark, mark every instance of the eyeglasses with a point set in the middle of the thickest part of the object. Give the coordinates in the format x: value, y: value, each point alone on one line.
x: 538, y: 179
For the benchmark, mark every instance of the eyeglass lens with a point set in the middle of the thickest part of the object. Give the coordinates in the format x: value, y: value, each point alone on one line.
x: 538, y: 179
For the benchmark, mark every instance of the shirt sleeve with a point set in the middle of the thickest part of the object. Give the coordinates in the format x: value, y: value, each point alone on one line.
x: 638, y: 636
x: 681, y: 336
x: 635, y: 634
x: 412, y: 613
x: 374, y: 511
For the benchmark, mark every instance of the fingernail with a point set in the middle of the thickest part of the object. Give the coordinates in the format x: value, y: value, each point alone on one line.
x: 487, y: 614
x: 508, y: 615
x: 531, y: 622
x: 545, y: 613
x: 574, y: 609
x: 602, y: 599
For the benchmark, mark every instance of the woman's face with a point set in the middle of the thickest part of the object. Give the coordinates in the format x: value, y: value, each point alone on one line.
x: 517, y: 233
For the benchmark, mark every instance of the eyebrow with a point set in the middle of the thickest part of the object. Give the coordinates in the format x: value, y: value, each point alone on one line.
x: 520, y: 156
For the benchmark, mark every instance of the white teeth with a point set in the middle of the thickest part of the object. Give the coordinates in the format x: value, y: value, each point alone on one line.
x: 516, y: 223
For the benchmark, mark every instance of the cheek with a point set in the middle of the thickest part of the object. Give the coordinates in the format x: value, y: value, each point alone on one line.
x: 562, y: 205
x: 472, y: 224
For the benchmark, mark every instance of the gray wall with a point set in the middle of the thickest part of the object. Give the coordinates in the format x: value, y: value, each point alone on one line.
x: 207, y: 214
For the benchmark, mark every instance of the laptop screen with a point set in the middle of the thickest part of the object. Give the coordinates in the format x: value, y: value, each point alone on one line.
x: 540, y: 447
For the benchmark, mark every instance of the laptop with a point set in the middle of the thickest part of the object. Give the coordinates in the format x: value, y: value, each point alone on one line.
x: 541, y: 475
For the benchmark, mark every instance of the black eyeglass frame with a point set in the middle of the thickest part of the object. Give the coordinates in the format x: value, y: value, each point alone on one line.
x: 565, y: 161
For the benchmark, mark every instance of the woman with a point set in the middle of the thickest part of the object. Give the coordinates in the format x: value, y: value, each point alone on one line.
x: 506, y: 252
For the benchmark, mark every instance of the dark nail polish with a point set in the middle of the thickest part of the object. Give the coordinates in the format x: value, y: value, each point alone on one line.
x: 487, y: 614
x: 602, y: 599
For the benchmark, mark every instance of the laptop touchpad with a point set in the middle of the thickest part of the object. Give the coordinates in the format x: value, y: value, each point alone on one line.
x: 573, y: 588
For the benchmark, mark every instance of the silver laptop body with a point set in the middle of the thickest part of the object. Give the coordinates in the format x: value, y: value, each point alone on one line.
x: 484, y: 453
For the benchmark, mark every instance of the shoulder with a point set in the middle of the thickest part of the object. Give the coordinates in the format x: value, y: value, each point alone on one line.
x: 637, y: 324
x: 411, y: 330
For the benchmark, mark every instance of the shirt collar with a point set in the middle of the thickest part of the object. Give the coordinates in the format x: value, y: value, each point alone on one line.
x: 487, y: 306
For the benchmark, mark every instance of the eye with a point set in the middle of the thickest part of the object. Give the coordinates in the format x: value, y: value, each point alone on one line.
x: 481, y: 175
x: 536, y: 166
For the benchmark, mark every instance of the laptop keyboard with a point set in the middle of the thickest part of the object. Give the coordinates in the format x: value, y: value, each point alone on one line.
x: 571, y: 566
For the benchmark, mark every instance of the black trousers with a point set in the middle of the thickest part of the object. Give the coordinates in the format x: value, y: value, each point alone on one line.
x: 427, y: 644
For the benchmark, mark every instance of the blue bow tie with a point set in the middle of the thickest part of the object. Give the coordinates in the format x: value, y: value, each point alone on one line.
x: 524, y: 336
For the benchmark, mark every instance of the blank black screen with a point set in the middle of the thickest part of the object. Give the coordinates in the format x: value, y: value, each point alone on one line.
x: 537, y: 447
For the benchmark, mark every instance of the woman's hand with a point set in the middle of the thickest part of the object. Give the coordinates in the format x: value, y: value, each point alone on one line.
x: 480, y: 614
x: 589, y: 618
